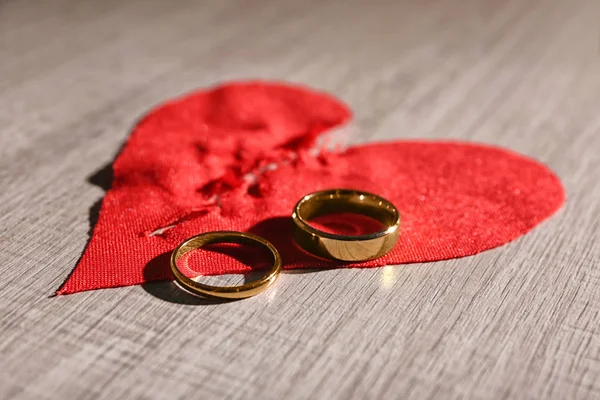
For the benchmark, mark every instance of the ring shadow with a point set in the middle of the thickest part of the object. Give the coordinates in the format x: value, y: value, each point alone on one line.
x: 277, y: 230
x: 159, y: 268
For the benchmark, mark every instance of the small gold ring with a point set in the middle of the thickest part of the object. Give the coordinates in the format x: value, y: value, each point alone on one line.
x: 225, y: 292
x: 342, y: 247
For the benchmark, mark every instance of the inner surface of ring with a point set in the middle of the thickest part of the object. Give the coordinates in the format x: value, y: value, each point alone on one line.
x: 354, y: 202
x: 208, y: 239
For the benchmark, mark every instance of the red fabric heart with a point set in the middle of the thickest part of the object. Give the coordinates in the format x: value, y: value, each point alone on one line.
x: 185, y: 168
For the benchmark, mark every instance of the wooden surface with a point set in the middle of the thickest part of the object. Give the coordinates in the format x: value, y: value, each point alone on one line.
x: 518, y: 322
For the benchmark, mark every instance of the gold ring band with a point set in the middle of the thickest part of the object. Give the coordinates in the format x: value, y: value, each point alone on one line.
x: 342, y: 247
x: 225, y: 292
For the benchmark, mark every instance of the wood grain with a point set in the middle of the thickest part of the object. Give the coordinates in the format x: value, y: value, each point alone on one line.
x: 518, y: 322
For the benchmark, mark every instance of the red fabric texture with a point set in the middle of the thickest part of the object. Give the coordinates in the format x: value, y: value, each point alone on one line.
x: 185, y: 168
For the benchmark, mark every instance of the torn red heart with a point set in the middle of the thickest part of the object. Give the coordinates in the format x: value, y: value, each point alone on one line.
x: 456, y: 199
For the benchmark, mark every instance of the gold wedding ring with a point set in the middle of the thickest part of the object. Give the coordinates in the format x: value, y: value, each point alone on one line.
x: 225, y: 292
x: 342, y: 247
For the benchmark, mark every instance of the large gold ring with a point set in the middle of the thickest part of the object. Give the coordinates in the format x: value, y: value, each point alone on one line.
x: 225, y: 292
x: 342, y: 247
